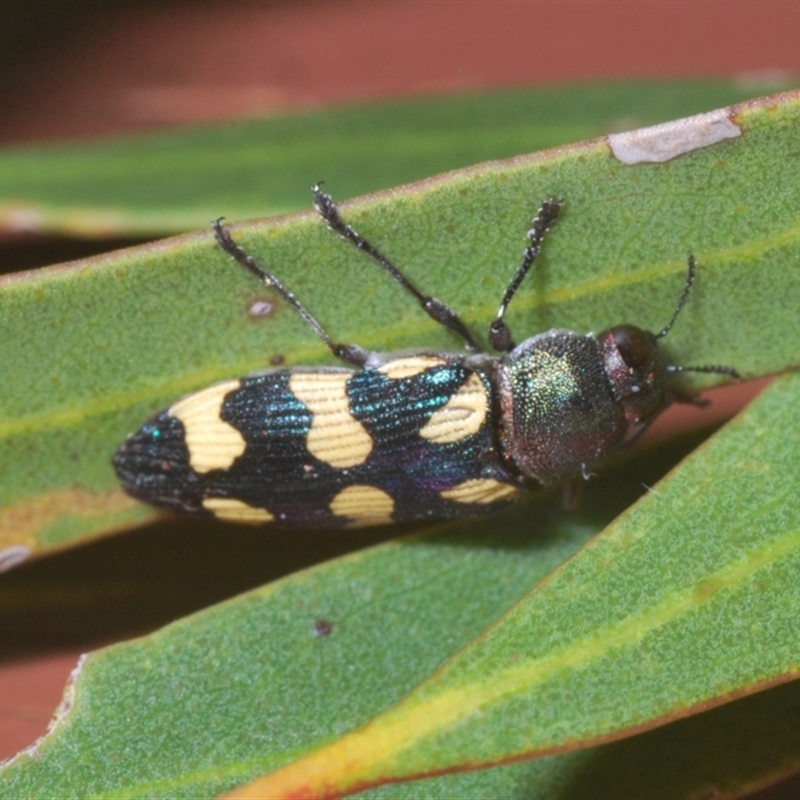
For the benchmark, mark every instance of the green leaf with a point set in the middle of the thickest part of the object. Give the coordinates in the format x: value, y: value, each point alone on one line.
x: 249, y: 686
x: 654, y: 620
x: 96, y: 347
x: 650, y: 621
x: 164, y: 183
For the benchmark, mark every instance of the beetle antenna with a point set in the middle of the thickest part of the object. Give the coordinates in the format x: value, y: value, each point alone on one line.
x: 717, y: 369
x: 682, y: 299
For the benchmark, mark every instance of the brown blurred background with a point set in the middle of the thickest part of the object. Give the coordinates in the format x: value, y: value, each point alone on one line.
x: 78, y: 68
x: 86, y: 68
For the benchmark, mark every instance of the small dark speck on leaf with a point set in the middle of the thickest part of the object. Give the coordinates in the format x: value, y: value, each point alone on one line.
x: 277, y: 360
x: 322, y: 627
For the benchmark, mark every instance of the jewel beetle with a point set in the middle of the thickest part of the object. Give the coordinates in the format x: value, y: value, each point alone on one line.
x: 427, y: 434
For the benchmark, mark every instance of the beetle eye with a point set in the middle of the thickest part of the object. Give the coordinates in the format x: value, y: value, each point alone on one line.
x: 633, y: 344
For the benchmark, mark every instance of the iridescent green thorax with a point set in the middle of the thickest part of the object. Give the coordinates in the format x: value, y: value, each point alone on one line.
x: 566, y: 403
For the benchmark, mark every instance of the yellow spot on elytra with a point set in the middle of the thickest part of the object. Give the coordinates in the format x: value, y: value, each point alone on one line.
x: 462, y: 415
x: 409, y: 366
x: 480, y: 490
x: 364, y: 505
x: 212, y: 442
x: 230, y: 510
x: 335, y: 437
